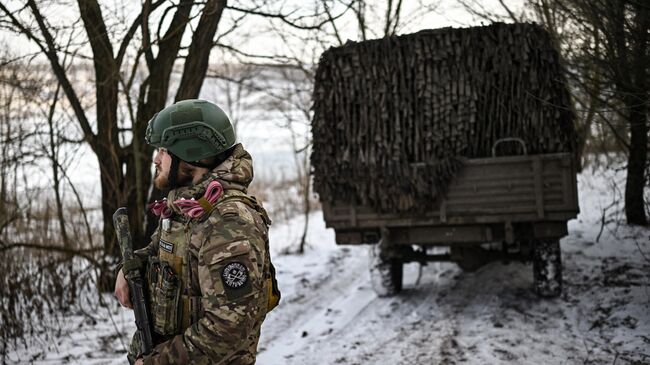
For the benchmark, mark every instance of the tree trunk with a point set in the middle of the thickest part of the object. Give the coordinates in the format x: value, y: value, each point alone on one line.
x: 194, y: 71
x: 152, y: 98
x: 634, y: 200
x: 196, y: 63
x: 636, y: 100
x: 107, y: 148
x: 130, y: 187
x: 137, y: 184
x: 112, y: 198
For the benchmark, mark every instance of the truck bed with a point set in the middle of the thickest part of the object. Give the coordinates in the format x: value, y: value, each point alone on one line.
x: 530, y: 188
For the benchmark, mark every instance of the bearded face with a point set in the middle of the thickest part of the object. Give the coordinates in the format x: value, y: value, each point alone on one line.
x: 162, y: 162
x: 161, y: 178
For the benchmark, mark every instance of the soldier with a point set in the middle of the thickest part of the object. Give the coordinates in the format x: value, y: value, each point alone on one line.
x: 209, y: 274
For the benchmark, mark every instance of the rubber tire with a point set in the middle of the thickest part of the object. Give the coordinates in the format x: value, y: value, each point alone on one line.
x: 547, y: 268
x: 385, y: 274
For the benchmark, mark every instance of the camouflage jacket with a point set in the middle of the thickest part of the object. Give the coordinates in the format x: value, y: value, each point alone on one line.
x: 220, y: 295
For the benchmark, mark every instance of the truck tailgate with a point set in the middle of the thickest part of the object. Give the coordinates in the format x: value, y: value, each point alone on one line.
x: 529, y: 188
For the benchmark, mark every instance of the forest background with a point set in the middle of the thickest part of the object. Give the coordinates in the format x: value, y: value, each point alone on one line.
x: 80, y: 80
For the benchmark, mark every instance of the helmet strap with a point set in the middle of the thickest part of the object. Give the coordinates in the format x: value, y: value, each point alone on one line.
x: 218, y: 159
x: 200, y: 164
x: 173, y: 171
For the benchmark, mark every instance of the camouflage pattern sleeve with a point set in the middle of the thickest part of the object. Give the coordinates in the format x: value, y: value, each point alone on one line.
x: 232, y: 287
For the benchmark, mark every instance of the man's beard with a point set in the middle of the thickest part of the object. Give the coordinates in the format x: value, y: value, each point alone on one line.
x: 161, y: 181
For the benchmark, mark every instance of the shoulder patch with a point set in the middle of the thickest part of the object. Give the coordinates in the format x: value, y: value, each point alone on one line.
x: 234, y: 275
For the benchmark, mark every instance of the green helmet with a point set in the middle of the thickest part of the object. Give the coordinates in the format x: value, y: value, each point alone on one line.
x: 191, y: 129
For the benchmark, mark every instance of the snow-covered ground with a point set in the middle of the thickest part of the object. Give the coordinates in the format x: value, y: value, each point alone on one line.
x: 330, y: 315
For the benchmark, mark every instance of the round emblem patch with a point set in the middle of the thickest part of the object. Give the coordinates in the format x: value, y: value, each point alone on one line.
x: 234, y: 275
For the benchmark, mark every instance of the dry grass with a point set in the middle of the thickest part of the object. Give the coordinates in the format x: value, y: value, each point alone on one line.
x: 42, y: 277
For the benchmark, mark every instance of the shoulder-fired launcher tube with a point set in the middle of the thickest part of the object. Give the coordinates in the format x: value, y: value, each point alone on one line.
x: 121, y: 223
x: 134, y: 277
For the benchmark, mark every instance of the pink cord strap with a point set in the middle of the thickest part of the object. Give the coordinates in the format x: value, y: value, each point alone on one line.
x: 196, y: 208
x: 160, y: 208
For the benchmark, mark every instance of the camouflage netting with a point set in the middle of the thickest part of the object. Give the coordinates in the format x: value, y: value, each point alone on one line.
x: 394, y: 117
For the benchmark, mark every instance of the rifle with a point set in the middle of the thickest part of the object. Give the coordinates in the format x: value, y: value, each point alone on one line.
x: 135, y: 279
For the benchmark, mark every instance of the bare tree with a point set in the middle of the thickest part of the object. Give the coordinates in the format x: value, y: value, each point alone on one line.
x: 613, y: 64
x: 124, y: 169
x: 236, y: 83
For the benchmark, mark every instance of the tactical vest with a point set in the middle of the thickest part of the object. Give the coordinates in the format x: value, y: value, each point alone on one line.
x: 174, y: 303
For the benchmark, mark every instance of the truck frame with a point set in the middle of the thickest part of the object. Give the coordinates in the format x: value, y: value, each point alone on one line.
x: 496, y: 208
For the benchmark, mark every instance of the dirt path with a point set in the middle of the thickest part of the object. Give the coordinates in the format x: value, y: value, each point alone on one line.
x: 487, y: 317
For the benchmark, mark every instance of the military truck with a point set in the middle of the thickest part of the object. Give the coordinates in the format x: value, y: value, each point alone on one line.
x: 454, y: 138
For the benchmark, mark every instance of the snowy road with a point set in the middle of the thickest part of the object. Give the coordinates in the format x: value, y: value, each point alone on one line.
x: 330, y: 315
x: 487, y: 317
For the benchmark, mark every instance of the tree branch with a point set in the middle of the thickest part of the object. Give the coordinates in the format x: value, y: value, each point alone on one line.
x: 330, y: 18
x: 198, y: 55
x: 389, y: 11
x: 398, y: 11
x: 146, y: 36
x: 134, y: 27
x: 252, y: 55
x: 50, y: 51
x: 84, y: 253
x: 510, y: 13
x: 284, y: 18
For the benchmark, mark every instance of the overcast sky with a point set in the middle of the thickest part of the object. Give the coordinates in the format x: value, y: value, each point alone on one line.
x: 258, y: 35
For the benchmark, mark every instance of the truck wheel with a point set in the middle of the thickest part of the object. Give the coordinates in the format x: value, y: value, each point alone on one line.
x: 385, y: 273
x: 547, y: 268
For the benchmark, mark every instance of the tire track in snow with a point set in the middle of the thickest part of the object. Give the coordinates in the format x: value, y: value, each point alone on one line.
x: 389, y: 330
x: 320, y: 308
